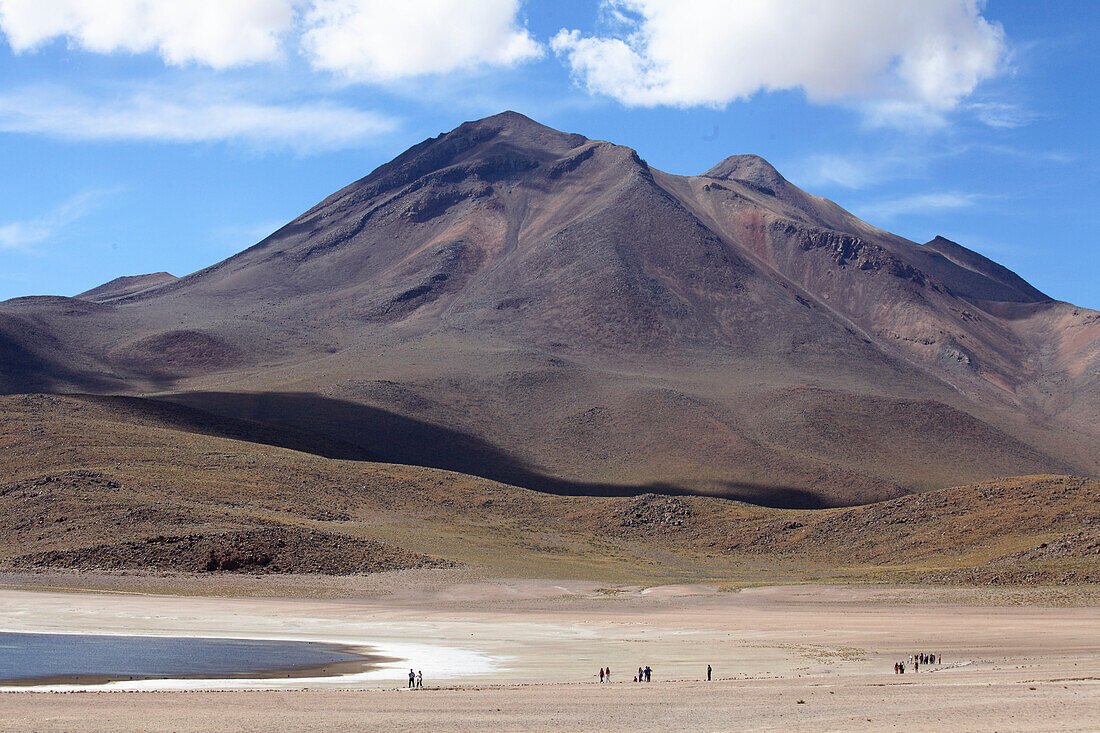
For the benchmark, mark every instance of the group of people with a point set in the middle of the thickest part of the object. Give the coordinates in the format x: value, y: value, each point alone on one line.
x: 416, y: 679
x: 915, y: 661
x: 645, y: 674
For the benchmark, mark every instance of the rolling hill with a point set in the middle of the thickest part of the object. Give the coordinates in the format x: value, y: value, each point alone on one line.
x: 101, y: 484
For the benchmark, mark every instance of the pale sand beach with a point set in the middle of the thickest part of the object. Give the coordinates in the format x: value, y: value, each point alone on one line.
x: 525, y: 655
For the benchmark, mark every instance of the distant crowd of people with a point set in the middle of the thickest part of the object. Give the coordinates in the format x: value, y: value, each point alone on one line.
x: 645, y: 674
x: 916, y: 660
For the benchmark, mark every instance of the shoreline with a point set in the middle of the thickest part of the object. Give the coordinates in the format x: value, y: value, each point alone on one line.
x: 369, y: 660
x: 524, y: 654
x: 376, y: 665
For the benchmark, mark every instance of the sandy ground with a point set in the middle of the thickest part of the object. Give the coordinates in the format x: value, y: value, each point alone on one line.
x: 523, y: 655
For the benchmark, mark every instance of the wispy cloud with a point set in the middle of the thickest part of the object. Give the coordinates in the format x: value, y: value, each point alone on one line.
x: 168, y: 115
x: 846, y: 171
x: 923, y: 203
x: 25, y: 234
x: 1000, y: 115
x: 1033, y: 155
x: 903, y: 115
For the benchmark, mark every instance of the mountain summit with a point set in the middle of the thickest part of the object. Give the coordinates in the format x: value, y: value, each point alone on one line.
x: 548, y: 310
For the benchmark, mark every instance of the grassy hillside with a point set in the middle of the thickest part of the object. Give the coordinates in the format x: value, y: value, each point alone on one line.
x: 113, y: 484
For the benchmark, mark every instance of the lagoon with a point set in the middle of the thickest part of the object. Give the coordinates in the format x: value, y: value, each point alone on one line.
x: 47, y: 659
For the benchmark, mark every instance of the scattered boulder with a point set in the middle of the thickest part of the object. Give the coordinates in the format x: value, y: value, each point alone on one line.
x: 652, y: 511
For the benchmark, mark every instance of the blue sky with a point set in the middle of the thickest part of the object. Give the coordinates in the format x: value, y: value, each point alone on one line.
x: 146, y: 135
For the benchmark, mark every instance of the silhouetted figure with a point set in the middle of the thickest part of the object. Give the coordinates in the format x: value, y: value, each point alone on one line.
x: 708, y: 673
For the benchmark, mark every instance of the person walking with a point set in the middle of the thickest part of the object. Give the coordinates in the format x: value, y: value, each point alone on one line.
x: 419, y: 678
x: 601, y: 674
x: 708, y: 673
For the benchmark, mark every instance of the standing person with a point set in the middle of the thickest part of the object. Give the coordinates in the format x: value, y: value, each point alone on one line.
x: 648, y: 671
x: 419, y: 678
x: 601, y: 674
x: 708, y: 673
x: 412, y: 678
x: 607, y: 672
x: 641, y: 675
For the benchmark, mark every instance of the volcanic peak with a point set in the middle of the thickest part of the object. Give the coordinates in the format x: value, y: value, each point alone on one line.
x: 750, y: 169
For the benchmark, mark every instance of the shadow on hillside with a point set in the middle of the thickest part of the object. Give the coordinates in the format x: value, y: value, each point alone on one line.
x: 24, y: 372
x: 360, y: 432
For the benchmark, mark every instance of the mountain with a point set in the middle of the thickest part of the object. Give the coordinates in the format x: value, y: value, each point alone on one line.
x: 531, y: 306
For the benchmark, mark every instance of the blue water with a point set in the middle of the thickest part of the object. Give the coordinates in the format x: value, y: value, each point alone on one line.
x: 38, y: 656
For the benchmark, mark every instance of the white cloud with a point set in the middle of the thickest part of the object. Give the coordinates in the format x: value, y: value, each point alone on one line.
x: 923, y: 203
x: 24, y: 234
x: 217, y: 33
x: 189, y: 117
x: 382, y: 40
x: 921, y: 57
x: 359, y: 40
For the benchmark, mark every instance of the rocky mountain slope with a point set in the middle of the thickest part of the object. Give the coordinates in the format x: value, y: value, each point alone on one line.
x: 534, y: 307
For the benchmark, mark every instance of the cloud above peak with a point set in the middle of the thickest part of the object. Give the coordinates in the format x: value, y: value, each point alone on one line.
x: 358, y: 40
x: 381, y: 40
x: 687, y: 53
x: 216, y: 33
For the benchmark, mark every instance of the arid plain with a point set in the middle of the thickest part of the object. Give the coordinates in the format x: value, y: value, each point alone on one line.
x: 524, y: 655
